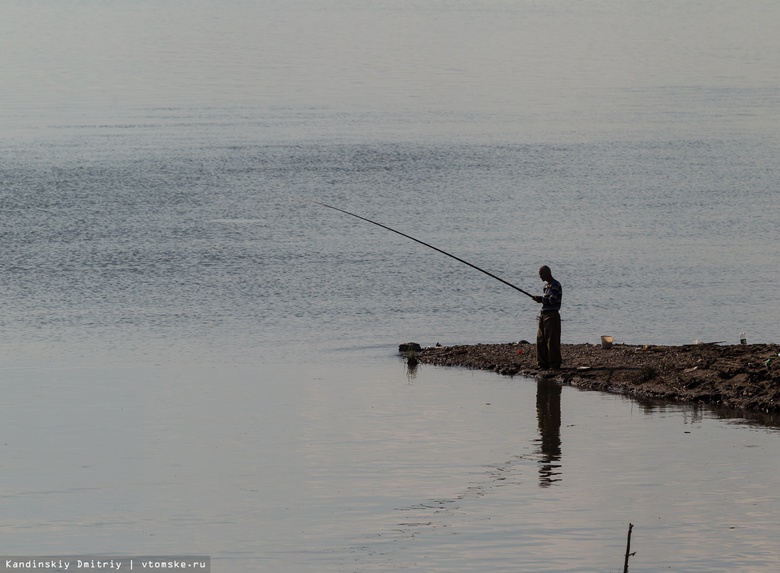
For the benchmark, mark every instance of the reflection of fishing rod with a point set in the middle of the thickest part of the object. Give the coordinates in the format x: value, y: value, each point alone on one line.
x: 427, y: 245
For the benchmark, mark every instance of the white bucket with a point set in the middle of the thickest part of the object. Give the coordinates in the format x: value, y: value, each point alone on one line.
x: 606, y: 341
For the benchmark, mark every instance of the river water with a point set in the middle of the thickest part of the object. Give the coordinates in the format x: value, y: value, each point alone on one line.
x: 198, y: 360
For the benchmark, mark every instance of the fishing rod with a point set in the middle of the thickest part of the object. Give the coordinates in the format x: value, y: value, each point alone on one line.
x: 427, y: 245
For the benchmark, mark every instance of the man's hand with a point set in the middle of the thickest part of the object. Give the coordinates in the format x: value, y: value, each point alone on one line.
x: 538, y: 299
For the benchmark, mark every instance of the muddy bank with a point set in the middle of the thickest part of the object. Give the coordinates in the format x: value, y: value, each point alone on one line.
x: 746, y: 377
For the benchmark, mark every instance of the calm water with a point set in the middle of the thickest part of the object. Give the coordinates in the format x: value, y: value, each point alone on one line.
x: 196, y: 360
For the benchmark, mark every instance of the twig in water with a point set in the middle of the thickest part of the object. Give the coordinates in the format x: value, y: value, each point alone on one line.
x: 628, y: 548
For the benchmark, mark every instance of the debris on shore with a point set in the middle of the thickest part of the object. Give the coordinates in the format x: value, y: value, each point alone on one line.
x: 744, y: 376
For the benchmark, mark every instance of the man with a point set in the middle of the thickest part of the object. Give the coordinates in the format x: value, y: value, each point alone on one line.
x: 548, y: 336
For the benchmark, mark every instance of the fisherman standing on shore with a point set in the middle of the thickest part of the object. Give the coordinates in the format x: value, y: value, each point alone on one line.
x: 548, y: 336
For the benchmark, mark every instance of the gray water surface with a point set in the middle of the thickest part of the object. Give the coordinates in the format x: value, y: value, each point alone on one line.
x: 360, y: 468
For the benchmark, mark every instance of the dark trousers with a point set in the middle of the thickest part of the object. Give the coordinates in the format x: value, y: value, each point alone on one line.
x: 548, y: 340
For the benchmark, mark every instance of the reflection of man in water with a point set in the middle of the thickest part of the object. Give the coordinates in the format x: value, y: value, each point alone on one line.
x: 548, y: 413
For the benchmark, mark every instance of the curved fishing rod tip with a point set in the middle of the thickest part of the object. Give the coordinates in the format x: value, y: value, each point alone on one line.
x: 320, y: 203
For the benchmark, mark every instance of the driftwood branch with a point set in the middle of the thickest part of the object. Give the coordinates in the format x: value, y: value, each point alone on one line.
x: 628, y: 548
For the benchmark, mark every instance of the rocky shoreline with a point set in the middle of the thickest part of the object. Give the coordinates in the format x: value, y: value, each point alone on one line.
x: 744, y: 377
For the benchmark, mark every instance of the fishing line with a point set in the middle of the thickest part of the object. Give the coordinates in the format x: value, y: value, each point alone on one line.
x: 427, y: 245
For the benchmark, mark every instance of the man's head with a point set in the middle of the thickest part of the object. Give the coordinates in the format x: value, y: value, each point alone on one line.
x: 545, y: 274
